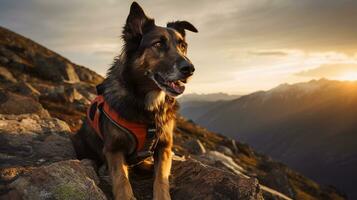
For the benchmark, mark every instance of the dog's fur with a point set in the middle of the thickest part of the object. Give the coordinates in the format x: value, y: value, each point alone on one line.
x: 141, y: 86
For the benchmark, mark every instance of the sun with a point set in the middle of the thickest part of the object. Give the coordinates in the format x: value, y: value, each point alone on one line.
x: 349, y: 76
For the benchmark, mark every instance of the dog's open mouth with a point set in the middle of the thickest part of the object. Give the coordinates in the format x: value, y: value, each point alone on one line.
x: 172, y: 87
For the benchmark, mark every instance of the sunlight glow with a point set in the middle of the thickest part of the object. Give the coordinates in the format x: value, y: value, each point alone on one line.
x: 349, y: 76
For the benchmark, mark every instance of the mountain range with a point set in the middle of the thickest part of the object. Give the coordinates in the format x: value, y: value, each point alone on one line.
x: 211, y: 97
x: 195, y: 105
x: 310, y: 126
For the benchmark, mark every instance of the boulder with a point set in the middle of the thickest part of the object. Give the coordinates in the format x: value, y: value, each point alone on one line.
x: 29, y: 140
x: 54, y: 68
x: 63, y: 94
x: 24, y: 89
x: 233, y: 145
x: 193, y: 180
x: 3, y: 60
x: 11, y: 103
x: 195, y: 147
x: 215, y: 158
x: 69, y: 179
x: 6, y: 76
x: 278, y: 179
x: 225, y: 150
x: 87, y: 75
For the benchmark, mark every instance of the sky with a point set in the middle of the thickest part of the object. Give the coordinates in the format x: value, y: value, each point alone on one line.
x: 242, y: 45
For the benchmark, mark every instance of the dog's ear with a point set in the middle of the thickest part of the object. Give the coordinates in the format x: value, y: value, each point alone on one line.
x: 137, y: 23
x: 181, y: 26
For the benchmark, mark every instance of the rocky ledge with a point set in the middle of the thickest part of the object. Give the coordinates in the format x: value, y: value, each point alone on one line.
x: 38, y: 162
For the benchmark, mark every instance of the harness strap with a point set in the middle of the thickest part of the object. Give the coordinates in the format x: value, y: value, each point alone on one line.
x: 146, y: 135
x: 93, y: 114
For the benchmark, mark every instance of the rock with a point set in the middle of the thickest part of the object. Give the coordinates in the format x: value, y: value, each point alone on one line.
x: 11, y: 59
x: 234, y: 146
x: 69, y: 179
x: 5, y: 75
x: 193, y: 180
x: 11, y: 103
x: 215, y: 158
x: 63, y: 93
x: 72, y: 94
x: 28, y: 140
x: 31, y: 58
x: 24, y: 89
x: 278, y: 180
x: 3, y: 60
x: 190, y: 179
x: 54, y: 68
x: 89, y: 92
x: 88, y: 75
x: 195, y: 146
x: 71, y: 73
x: 225, y: 150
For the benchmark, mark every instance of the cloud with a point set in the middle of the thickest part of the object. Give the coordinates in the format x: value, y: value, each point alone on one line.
x: 268, y: 53
x: 86, y: 31
x: 319, y: 25
x: 329, y: 70
x: 104, y: 53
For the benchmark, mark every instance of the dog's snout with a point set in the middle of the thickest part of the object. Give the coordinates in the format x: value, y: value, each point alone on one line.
x: 186, y: 68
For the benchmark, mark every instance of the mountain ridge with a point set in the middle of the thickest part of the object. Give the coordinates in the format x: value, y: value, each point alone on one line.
x: 315, y: 120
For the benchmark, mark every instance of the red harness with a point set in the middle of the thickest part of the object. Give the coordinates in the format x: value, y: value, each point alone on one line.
x: 146, y: 138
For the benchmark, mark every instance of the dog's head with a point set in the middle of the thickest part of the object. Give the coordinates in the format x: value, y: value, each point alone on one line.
x: 157, y: 55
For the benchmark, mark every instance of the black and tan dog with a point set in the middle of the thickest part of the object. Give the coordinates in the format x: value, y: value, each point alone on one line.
x: 134, y: 117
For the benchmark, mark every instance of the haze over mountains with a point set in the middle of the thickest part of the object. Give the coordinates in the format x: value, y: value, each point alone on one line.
x: 310, y: 126
x: 207, y: 97
x: 195, y: 105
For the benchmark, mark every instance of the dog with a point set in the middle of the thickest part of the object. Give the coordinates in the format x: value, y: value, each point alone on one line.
x: 134, y: 117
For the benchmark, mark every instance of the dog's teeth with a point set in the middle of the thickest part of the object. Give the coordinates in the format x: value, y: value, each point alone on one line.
x: 179, y: 83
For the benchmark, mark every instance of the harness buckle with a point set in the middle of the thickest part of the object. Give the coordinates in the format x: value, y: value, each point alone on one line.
x: 151, y: 132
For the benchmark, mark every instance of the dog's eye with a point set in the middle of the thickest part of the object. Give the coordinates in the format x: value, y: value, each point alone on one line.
x: 158, y: 44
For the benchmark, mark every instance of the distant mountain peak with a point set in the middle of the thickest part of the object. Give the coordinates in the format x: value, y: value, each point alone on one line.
x: 305, y: 87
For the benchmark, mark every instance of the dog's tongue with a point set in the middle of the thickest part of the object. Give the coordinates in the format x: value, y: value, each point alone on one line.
x: 177, y: 87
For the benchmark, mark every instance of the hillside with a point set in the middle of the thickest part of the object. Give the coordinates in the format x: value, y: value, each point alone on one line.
x: 43, y: 98
x: 310, y: 126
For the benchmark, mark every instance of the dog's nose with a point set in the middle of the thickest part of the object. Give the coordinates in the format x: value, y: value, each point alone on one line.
x: 186, y: 68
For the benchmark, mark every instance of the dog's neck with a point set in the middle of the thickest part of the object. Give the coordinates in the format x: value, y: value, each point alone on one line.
x: 154, y: 100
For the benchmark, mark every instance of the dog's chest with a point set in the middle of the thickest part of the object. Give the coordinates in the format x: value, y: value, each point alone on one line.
x: 165, y: 121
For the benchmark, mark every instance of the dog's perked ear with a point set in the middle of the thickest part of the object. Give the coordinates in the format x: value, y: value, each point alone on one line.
x: 137, y: 23
x: 181, y: 26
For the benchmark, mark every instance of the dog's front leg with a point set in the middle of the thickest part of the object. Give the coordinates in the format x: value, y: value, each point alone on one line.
x: 163, y: 160
x: 118, y: 171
